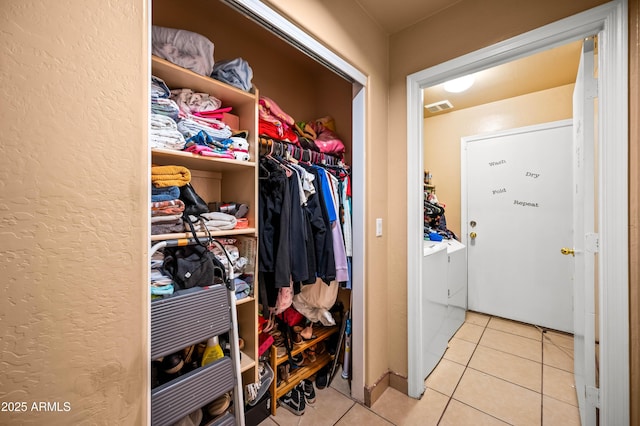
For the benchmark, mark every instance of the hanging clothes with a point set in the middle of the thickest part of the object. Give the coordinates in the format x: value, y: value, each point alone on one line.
x: 302, y: 222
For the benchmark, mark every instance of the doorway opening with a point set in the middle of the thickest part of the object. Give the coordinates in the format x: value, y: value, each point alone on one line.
x: 609, y: 22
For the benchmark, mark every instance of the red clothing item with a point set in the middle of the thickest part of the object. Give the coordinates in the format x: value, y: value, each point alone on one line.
x: 281, y: 133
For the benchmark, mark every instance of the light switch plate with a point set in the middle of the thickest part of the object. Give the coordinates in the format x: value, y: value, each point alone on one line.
x: 379, y: 227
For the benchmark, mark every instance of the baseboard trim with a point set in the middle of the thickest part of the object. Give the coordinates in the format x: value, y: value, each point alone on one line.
x: 388, y: 379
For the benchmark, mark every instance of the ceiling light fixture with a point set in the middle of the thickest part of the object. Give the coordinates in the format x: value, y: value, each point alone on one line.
x: 459, y: 84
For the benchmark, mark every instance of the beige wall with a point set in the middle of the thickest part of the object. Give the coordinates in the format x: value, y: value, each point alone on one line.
x: 469, y: 25
x: 73, y: 210
x: 443, y: 133
x: 72, y: 312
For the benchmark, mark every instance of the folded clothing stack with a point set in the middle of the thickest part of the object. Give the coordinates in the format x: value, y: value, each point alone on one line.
x: 184, y: 48
x: 161, y: 283
x: 166, y: 207
x: 163, y: 176
x: 164, y: 133
x: 214, y: 221
x: 166, y: 217
x: 274, y: 122
x: 202, y: 143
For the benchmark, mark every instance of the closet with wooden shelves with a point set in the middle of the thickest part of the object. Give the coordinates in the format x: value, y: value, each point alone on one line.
x: 219, y: 179
x: 301, y: 86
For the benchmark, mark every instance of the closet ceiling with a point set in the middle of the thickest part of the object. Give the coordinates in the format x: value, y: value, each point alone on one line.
x: 393, y: 17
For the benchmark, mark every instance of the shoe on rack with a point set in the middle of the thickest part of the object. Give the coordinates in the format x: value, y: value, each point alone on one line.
x: 294, y: 401
x: 255, y: 391
x: 306, y: 388
x: 322, y: 377
x: 219, y: 405
x: 193, y: 419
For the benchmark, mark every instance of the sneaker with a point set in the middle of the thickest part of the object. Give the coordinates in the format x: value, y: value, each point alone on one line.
x: 294, y: 401
x: 306, y: 387
x: 322, y: 377
x: 255, y: 391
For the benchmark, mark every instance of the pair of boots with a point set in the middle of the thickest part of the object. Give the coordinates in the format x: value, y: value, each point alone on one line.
x: 297, y: 398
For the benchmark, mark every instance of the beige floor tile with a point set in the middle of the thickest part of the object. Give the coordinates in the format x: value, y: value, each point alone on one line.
x: 329, y: 407
x: 359, y: 415
x: 513, y: 327
x: 511, y: 368
x: 556, y: 412
x: 399, y: 409
x: 477, y: 318
x: 469, y: 332
x: 561, y: 339
x: 559, y: 384
x: 268, y: 422
x: 340, y: 384
x: 445, y: 377
x: 499, y: 398
x: 557, y: 356
x: 510, y: 343
x: 459, y: 414
x: 459, y: 351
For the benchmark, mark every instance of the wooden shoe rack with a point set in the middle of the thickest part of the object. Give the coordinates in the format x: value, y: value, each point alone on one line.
x: 303, y: 372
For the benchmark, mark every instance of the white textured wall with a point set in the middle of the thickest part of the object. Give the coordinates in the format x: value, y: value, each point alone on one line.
x: 73, y: 210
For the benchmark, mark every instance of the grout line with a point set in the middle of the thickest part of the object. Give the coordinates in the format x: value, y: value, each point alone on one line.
x: 483, y: 412
x: 505, y: 380
x: 509, y: 353
x: 465, y: 369
x: 515, y: 334
x: 544, y: 336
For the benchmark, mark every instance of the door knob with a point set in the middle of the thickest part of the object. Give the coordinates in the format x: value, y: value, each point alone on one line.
x: 567, y: 251
x: 473, y: 235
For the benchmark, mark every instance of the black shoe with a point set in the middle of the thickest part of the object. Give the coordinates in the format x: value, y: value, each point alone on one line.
x: 294, y: 401
x: 322, y: 377
x: 306, y: 388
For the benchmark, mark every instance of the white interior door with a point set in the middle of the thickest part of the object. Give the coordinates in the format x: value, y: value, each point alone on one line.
x: 585, y: 240
x: 519, y: 212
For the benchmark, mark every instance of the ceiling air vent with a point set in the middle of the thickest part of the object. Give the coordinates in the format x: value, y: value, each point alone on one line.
x: 439, y: 106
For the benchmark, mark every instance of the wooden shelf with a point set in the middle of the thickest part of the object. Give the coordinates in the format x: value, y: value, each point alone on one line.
x: 302, y: 373
x: 246, y: 362
x: 321, y: 334
x: 166, y: 157
x: 178, y: 77
x: 179, y: 236
x: 248, y: 299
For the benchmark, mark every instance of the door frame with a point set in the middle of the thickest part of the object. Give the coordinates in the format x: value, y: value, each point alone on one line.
x: 273, y: 21
x: 610, y: 21
x: 464, y: 178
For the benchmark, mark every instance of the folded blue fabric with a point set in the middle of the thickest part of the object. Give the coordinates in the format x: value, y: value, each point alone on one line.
x: 164, y: 194
x: 205, y: 139
x: 434, y: 236
x: 242, y: 288
x: 159, y: 88
x: 162, y: 290
x: 235, y: 72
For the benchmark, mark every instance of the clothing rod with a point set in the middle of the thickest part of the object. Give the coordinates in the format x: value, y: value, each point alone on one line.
x: 297, y: 152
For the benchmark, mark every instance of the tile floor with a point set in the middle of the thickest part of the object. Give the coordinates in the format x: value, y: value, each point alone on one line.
x: 495, y: 372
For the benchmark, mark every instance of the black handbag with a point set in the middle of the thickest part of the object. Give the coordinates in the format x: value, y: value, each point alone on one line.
x: 193, y: 265
x: 193, y: 204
